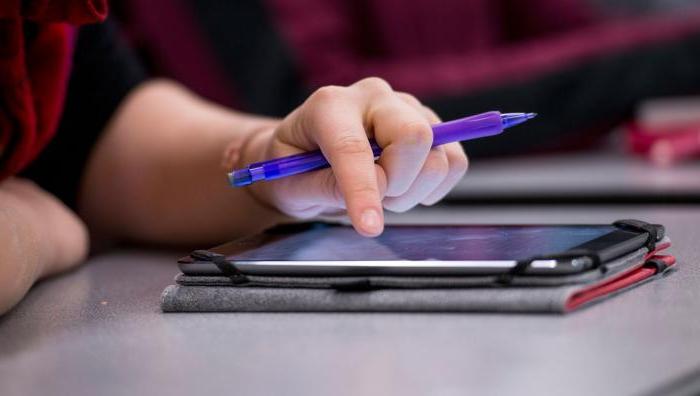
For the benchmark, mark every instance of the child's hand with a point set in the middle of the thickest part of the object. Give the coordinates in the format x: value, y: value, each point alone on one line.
x: 339, y: 120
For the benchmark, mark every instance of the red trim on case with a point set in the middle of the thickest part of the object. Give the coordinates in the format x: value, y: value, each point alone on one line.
x: 658, y: 248
x: 621, y: 281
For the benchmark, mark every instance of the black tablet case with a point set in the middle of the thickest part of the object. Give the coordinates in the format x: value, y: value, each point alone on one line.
x: 515, y: 292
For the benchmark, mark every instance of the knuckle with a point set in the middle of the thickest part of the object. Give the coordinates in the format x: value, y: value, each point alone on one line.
x: 316, y: 108
x: 375, y: 84
x: 417, y: 133
x: 362, y: 190
x: 431, y: 114
x: 326, y: 94
x: 408, y: 98
x: 23, y: 183
x: 350, y: 144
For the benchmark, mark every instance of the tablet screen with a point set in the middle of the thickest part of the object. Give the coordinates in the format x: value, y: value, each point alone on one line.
x: 331, y: 243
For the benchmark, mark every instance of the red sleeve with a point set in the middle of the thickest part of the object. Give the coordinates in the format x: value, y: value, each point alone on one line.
x: 76, y: 12
x: 34, y: 72
x: 10, y: 9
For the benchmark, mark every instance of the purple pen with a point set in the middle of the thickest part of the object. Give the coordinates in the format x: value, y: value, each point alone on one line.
x: 467, y: 128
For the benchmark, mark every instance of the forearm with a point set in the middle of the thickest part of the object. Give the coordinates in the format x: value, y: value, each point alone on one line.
x: 39, y: 236
x: 158, y: 173
x: 20, y: 254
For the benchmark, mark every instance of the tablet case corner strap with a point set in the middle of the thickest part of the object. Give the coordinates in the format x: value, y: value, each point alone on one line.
x: 655, y: 232
x: 661, y: 263
x: 220, y: 261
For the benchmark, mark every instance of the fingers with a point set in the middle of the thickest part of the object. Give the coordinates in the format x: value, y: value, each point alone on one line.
x: 427, y: 112
x: 434, y: 171
x: 405, y: 136
x: 339, y: 121
x: 334, y: 120
x: 458, y: 165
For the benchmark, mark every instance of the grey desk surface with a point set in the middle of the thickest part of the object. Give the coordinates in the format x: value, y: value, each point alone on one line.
x: 600, y: 175
x: 98, y: 330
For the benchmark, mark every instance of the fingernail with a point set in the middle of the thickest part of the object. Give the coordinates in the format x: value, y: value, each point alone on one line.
x: 371, y: 221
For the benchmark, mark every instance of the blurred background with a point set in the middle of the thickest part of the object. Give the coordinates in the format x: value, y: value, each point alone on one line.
x: 588, y: 67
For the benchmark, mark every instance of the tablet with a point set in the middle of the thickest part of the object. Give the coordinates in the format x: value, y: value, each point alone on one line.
x: 321, y: 249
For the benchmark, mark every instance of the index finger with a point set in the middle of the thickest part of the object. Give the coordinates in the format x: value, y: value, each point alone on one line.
x: 336, y: 124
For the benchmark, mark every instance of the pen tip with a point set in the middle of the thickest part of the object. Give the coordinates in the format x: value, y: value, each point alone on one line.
x: 513, y: 119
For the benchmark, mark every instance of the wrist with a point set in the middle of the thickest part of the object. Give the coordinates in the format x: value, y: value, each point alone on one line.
x: 253, y: 148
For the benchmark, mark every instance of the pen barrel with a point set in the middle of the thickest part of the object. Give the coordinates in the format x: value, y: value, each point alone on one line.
x: 468, y: 128
x: 301, y: 163
x: 294, y: 165
x: 473, y: 127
